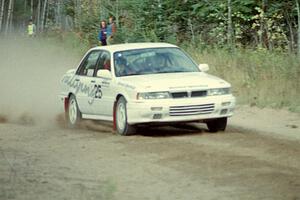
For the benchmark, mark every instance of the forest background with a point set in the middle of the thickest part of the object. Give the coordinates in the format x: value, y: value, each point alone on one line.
x: 254, y: 44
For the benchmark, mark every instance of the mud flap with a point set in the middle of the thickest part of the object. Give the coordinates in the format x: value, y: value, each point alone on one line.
x: 114, y: 116
x: 66, y: 104
x: 66, y: 107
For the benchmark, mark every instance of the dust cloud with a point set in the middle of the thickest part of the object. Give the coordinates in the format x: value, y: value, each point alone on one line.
x: 30, y: 72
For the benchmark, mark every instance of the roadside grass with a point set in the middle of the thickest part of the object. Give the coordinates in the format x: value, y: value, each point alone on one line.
x: 258, y: 78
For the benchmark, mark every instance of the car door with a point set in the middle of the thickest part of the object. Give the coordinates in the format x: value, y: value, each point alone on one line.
x: 103, y: 103
x: 85, y: 90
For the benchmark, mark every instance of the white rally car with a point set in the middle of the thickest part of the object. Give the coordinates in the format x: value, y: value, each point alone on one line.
x: 144, y: 83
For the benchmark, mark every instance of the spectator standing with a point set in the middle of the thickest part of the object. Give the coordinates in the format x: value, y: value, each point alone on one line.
x: 102, y: 36
x: 111, y: 30
x: 31, y: 29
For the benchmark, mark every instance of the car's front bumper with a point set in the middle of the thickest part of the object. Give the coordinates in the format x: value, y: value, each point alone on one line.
x: 180, y: 110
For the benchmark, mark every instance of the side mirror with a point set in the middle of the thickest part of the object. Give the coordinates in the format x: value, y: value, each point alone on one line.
x: 203, y: 67
x: 71, y: 71
x: 104, y: 73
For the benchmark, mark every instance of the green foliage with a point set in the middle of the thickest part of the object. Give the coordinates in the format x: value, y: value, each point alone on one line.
x: 256, y: 23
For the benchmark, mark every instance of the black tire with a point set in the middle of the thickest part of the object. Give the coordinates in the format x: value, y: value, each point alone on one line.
x: 73, y: 114
x: 122, y: 127
x: 216, y: 125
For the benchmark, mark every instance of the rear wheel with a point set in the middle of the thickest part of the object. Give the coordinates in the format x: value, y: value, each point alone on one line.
x: 73, y: 113
x: 123, y: 128
x: 216, y: 125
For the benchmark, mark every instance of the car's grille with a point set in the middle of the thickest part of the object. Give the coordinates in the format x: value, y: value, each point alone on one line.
x: 191, y: 110
x: 201, y: 93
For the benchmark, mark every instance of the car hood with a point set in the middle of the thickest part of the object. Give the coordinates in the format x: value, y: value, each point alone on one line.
x: 173, y: 81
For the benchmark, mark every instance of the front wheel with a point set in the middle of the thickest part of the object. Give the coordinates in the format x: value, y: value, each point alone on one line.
x: 123, y: 128
x: 216, y: 125
x: 73, y: 113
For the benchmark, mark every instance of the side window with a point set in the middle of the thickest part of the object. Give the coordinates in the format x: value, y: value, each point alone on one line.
x: 88, y: 66
x: 104, y: 61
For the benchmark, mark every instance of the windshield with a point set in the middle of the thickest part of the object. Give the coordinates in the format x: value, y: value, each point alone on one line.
x: 152, y: 61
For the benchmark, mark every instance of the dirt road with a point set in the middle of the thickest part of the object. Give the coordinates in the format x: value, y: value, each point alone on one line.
x: 258, y: 157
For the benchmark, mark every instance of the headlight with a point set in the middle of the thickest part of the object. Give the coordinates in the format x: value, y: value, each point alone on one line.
x: 153, y: 95
x: 218, y: 91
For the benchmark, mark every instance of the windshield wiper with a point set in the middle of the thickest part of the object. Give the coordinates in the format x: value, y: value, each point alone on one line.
x: 176, y: 71
x: 132, y: 74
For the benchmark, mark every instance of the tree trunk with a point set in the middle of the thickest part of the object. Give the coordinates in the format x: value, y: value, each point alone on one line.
x: 25, y: 10
x: 291, y: 31
x: 11, y: 17
x: 77, y: 16
x: 298, y: 13
x: 31, y: 9
x: 262, y: 22
x: 38, y: 23
x: 1, y: 14
x: 229, y: 28
x: 58, y: 14
x: 192, y: 31
x: 91, y: 8
x: 47, y: 13
x: 8, y: 16
x: 43, y: 15
x: 117, y: 13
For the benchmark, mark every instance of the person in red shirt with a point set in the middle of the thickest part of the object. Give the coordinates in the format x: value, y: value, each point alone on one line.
x: 111, y: 30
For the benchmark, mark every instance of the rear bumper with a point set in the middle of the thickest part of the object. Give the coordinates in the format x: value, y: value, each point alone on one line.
x: 180, y: 110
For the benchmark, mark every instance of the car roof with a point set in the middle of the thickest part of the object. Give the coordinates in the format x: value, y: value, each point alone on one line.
x: 131, y: 46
